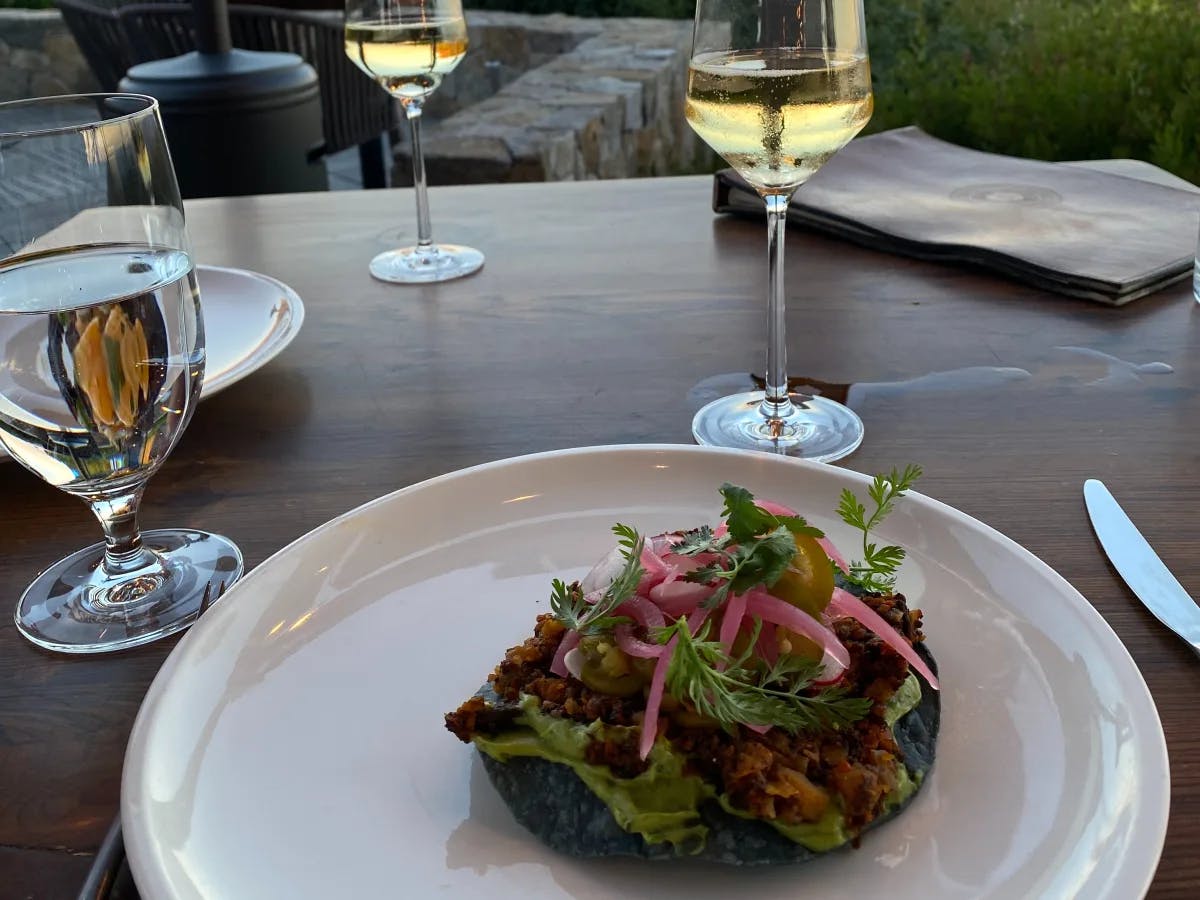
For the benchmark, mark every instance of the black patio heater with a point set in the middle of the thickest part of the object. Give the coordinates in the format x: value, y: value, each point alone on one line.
x: 238, y: 122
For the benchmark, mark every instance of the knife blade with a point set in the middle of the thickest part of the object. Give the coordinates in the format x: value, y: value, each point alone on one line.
x: 1134, y: 558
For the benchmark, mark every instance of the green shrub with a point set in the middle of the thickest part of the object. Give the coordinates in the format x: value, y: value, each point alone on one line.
x: 1048, y: 79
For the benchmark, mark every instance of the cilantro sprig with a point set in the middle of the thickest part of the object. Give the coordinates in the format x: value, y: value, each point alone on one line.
x: 567, y: 601
x: 743, y: 690
x: 876, y: 571
x: 756, y: 549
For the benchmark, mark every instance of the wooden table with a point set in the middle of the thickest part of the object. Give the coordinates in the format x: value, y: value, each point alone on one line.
x: 600, y: 309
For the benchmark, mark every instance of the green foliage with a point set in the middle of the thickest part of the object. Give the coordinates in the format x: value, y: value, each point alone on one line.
x: 1046, y: 79
x: 26, y: 4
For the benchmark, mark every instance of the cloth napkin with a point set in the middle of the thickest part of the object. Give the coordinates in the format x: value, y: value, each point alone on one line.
x: 1062, y: 227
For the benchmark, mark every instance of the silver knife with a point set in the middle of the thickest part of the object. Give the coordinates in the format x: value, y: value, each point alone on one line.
x: 1140, y: 566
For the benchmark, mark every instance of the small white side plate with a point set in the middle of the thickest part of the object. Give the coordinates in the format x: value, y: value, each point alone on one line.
x: 248, y: 320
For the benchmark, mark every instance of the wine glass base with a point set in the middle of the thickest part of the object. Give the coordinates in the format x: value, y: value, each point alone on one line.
x: 423, y: 265
x: 66, y: 610
x: 817, y: 429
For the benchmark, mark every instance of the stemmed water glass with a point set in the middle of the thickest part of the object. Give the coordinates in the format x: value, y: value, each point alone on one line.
x: 409, y: 46
x: 101, y: 361
x: 776, y: 87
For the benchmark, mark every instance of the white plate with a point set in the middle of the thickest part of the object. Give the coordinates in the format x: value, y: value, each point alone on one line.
x: 292, y: 745
x: 248, y: 320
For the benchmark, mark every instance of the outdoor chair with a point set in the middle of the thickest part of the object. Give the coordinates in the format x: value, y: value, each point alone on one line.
x: 355, y: 111
x: 97, y: 31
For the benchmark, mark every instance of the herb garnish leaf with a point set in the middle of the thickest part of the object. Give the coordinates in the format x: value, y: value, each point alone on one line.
x: 734, y: 690
x: 567, y: 602
x: 877, y: 570
x: 756, y: 548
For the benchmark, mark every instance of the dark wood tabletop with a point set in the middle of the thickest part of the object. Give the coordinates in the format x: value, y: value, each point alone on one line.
x: 602, y: 316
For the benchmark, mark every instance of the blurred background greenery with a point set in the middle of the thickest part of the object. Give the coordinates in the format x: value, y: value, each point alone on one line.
x: 1046, y: 79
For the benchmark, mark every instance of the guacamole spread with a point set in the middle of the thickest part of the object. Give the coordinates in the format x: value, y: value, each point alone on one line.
x: 662, y: 804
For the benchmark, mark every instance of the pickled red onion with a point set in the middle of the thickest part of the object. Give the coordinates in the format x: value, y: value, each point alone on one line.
x: 642, y: 611
x: 678, y: 598
x: 832, y: 552
x: 656, y: 570
x: 767, y: 646
x: 635, y: 647
x: 569, y: 642
x: 846, y: 604
x: 658, y: 682
x: 735, y: 611
x: 645, y: 614
x: 836, y: 658
x: 775, y: 509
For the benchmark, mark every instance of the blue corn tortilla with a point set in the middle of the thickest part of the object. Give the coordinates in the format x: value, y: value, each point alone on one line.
x: 549, y: 800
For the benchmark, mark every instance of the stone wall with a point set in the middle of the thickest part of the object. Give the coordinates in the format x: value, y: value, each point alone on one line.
x: 38, y: 56
x: 537, y: 98
x: 574, y: 99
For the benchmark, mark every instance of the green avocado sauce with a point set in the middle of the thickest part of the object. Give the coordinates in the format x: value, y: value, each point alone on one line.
x: 662, y: 804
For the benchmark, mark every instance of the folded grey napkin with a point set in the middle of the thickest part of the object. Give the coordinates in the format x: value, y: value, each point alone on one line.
x: 1063, y: 227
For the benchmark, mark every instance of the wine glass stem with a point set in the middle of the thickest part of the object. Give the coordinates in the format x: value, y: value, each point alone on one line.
x: 123, y: 551
x: 412, y: 109
x: 776, y: 404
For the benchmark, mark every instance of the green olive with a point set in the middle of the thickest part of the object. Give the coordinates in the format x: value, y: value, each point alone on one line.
x: 607, y: 669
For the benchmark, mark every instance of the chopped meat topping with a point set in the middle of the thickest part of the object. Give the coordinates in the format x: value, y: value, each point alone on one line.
x: 780, y: 776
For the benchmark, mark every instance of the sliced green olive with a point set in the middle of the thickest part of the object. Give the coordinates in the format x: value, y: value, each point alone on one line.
x: 607, y: 669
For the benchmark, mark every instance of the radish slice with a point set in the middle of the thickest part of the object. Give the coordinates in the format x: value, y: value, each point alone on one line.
x: 569, y: 642
x: 573, y: 663
x: 603, y: 572
x: 757, y: 729
x: 661, y: 544
x: 635, y: 647
x: 771, y: 609
x: 687, y: 563
x: 658, y: 682
x: 845, y: 604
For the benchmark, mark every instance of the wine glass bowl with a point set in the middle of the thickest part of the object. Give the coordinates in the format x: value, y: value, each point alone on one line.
x: 776, y: 88
x: 96, y: 266
x: 408, y: 47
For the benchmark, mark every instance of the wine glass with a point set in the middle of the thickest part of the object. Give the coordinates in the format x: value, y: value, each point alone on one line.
x: 409, y: 46
x: 101, y: 361
x: 776, y: 87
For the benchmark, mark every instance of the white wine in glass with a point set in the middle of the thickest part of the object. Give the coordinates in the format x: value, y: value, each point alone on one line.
x: 777, y: 88
x: 408, y: 48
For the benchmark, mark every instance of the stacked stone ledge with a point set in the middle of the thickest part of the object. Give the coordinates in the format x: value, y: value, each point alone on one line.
x: 601, y: 98
x: 538, y: 98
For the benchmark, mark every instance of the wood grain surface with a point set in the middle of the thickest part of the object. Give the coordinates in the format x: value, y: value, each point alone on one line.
x: 601, y: 311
